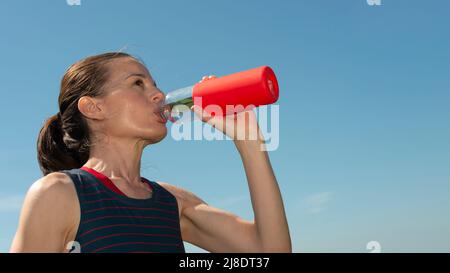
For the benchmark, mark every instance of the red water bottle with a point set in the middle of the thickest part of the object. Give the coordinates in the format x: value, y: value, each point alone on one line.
x: 256, y: 87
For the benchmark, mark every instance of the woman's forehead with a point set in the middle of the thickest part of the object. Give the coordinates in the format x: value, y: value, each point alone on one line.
x: 121, y: 68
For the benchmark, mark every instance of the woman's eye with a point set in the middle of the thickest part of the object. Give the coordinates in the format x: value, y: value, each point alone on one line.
x: 139, y: 83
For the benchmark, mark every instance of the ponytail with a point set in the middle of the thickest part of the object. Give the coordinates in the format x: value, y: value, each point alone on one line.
x: 53, y: 153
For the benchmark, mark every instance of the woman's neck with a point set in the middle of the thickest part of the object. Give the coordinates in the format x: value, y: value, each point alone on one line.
x: 118, y: 160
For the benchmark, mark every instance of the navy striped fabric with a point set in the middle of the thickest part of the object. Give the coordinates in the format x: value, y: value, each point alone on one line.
x: 111, y: 222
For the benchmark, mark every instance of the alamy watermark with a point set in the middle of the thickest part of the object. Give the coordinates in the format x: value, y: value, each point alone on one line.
x: 374, y: 2
x: 73, y: 2
x: 267, y: 118
x: 374, y: 247
x: 73, y: 247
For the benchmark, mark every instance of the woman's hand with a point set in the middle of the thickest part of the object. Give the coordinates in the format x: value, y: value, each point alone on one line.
x: 237, y: 126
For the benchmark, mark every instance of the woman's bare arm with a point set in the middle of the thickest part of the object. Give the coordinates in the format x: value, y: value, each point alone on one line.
x: 270, y: 217
x: 49, y: 215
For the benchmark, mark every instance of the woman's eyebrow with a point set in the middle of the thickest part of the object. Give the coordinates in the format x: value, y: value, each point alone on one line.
x: 139, y: 75
x: 135, y: 74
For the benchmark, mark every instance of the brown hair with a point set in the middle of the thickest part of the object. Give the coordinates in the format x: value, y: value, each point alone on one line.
x: 64, y: 140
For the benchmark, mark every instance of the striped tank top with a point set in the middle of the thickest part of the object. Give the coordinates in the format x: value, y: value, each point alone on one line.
x: 112, y: 222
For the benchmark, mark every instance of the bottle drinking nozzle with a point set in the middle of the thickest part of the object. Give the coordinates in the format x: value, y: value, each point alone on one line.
x: 257, y: 86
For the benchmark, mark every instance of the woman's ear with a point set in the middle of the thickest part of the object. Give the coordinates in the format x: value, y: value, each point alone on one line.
x: 91, y: 108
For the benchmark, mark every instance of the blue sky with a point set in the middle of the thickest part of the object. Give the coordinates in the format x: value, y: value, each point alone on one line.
x: 364, y: 150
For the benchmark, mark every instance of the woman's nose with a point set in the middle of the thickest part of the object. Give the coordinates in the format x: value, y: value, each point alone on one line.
x: 158, y: 97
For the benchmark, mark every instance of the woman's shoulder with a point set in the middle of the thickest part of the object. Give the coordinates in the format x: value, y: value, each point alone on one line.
x: 53, y: 192
x: 184, y: 197
x: 56, y: 183
x: 176, y: 191
x: 48, y: 215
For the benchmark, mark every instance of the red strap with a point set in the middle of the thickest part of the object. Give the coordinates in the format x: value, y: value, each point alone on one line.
x: 105, y: 180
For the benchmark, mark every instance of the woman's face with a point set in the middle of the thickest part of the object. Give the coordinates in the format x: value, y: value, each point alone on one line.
x: 131, y: 101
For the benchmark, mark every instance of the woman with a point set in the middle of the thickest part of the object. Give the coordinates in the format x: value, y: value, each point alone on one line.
x: 92, y: 197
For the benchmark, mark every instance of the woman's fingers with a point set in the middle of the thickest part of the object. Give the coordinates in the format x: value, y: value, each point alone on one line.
x: 205, y: 78
x: 203, y: 115
x: 200, y: 113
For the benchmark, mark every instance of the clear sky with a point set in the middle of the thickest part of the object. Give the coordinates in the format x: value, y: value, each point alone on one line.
x: 364, y: 151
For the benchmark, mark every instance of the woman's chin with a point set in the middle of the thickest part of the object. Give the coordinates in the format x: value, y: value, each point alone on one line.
x: 159, y: 135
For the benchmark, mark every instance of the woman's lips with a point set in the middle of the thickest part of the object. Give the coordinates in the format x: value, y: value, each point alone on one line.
x: 160, y: 117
